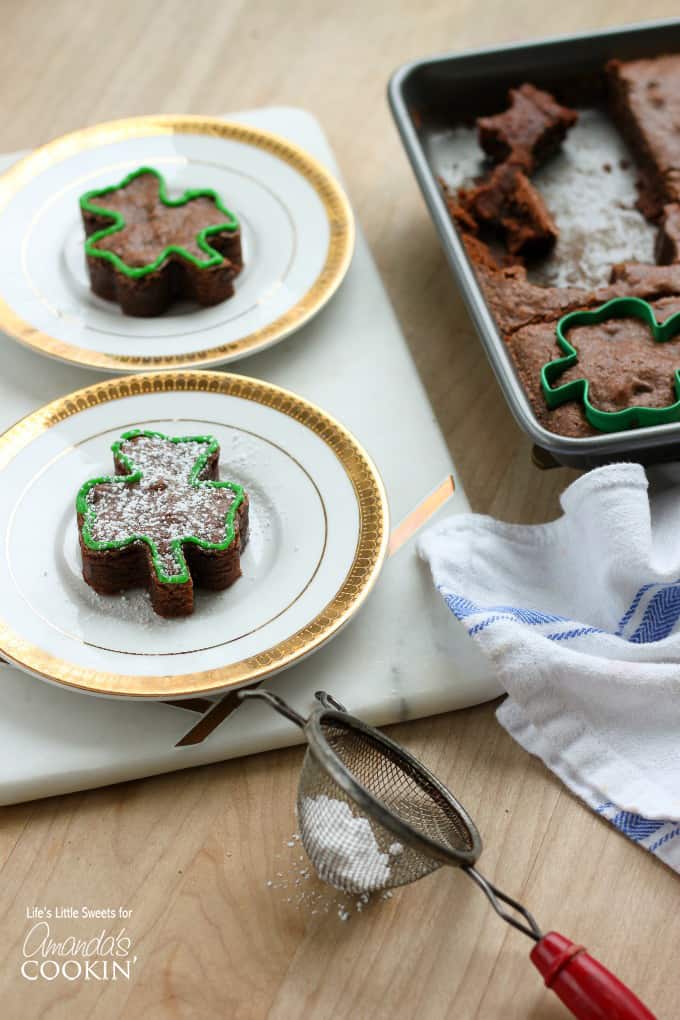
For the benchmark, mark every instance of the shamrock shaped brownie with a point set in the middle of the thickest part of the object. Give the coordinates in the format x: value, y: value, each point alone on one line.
x: 146, y: 250
x: 164, y: 521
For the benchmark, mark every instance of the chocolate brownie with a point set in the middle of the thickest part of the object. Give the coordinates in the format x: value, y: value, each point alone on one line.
x: 145, y: 250
x: 508, y: 200
x: 515, y: 302
x: 637, y: 279
x: 529, y: 131
x: 164, y: 521
x: 668, y: 239
x: 461, y: 216
x: 645, y: 102
x: 531, y: 347
x: 619, y: 357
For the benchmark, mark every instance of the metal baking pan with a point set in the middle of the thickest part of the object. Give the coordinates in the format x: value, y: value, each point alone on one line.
x: 428, y: 95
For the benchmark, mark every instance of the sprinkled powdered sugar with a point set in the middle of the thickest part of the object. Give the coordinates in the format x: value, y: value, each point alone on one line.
x: 589, y: 187
x: 161, y: 459
x: 162, y: 505
x: 301, y: 888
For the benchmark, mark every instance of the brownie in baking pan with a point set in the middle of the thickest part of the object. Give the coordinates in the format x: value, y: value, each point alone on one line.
x: 164, y: 522
x: 641, y: 375
x: 514, y: 301
x: 145, y: 250
x: 507, y: 229
x: 645, y: 103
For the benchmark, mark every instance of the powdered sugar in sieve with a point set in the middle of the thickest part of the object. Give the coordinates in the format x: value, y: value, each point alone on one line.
x: 342, y: 846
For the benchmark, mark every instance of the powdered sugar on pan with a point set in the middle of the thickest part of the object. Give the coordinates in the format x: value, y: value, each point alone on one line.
x: 342, y: 846
x: 455, y: 155
x: 589, y: 188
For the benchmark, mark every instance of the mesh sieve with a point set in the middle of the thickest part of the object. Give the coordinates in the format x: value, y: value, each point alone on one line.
x: 373, y: 817
x: 353, y: 850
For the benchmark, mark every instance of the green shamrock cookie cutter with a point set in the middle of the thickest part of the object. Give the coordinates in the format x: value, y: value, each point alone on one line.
x: 89, y: 515
x: 578, y: 389
x: 88, y: 204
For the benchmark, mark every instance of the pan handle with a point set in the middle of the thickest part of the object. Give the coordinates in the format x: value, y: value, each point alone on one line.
x: 585, y: 987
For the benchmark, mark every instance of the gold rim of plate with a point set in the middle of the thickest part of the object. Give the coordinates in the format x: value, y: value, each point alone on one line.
x: 331, y: 195
x: 368, y: 559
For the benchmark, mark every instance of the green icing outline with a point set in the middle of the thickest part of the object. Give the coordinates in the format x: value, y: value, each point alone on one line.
x: 119, y: 223
x: 89, y: 514
x: 578, y: 389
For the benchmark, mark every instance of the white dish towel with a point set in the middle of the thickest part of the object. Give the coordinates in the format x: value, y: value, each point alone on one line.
x: 581, y: 619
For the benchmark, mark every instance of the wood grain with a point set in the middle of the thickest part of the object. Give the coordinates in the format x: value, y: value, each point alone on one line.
x: 191, y: 853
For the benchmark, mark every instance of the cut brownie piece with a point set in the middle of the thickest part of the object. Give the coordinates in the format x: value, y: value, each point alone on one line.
x: 531, y: 129
x: 507, y: 199
x: 645, y: 102
x: 668, y: 238
x: 619, y: 357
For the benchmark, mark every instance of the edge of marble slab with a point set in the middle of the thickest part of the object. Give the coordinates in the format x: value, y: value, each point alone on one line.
x: 392, y: 706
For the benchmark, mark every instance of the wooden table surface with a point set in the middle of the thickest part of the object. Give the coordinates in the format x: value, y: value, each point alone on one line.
x: 190, y: 854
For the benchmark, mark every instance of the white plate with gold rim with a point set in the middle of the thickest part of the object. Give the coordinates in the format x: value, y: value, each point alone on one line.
x: 297, y: 235
x: 319, y: 528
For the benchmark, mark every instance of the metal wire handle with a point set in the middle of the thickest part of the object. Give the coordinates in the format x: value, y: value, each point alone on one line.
x: 497, y: 897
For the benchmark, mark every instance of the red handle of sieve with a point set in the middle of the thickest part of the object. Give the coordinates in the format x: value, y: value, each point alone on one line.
x: 585, y: 987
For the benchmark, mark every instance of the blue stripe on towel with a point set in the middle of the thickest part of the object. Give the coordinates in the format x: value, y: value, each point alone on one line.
x: 640, y: 829
x: 567, y: 635
x: 658, y: 620
x: 483, y: 624
x: 635, y: 826
x: 625, y: 619
x: 666, y: 838
x: 462, y: 608
x: 660, y: 616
